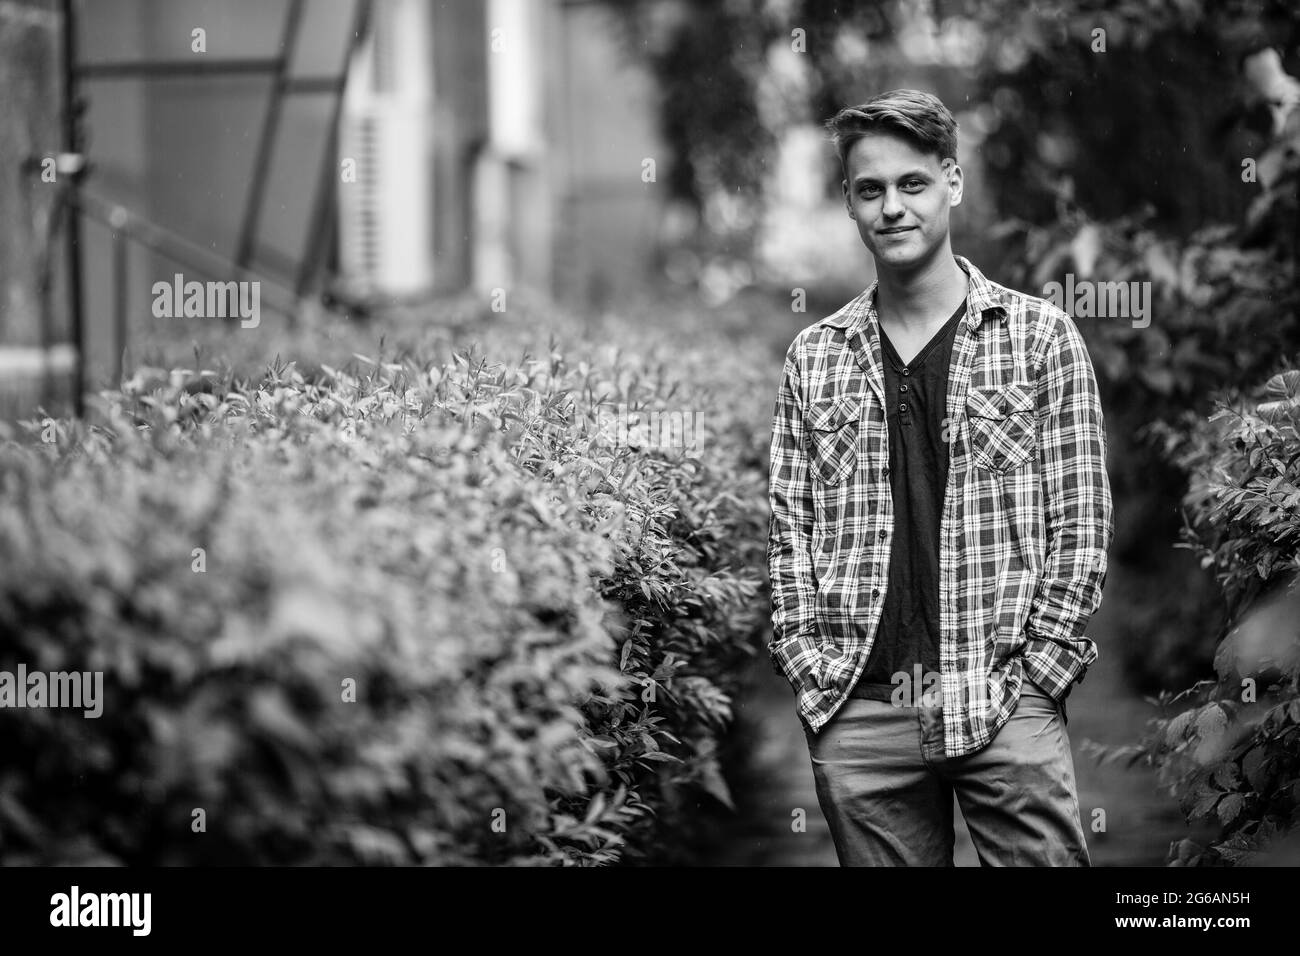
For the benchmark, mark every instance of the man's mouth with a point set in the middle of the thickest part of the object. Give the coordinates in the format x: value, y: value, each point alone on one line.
x: 896, y: 229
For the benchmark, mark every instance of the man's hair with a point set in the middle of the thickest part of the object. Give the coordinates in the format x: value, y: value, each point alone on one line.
x: 914, y: 115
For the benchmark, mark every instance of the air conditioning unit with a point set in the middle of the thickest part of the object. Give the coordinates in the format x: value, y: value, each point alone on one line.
x: 386, y: 176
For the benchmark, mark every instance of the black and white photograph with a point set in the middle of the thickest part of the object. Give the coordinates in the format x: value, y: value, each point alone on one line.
x: 728, y: 434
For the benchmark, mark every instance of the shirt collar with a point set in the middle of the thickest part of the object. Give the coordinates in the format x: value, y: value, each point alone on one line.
x: 982, y: 298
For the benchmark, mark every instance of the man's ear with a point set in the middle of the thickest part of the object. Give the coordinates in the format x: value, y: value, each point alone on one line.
x: 848, y: 203
x: 956, y: 181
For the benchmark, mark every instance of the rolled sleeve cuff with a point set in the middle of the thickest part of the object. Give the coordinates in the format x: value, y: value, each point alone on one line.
x: 1056, y: 668
x: 794, y: 657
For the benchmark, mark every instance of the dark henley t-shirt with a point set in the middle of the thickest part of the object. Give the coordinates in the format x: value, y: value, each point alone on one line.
x: 915, y: 402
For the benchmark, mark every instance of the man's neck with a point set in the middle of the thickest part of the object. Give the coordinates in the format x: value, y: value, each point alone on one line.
x: 914, y: 300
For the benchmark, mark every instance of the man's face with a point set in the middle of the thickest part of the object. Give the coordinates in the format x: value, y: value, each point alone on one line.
x: 899, y: 198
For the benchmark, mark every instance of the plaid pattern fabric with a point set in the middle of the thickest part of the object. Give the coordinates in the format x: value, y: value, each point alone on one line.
x: 1026, y: 524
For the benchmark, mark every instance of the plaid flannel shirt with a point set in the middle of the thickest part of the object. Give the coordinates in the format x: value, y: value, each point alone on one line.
x: 1026, y: 523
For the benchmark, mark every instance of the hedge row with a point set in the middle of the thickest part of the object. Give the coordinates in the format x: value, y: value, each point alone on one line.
x: 420, y: 610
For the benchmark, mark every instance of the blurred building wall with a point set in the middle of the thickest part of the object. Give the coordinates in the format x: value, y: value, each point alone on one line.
x: 118, y: 148
x: 537, y: 134
x: 179, y: 150
x: 460, y: 129
x: 388, y: 125
x: 605, y: 124
x: 33, y: 337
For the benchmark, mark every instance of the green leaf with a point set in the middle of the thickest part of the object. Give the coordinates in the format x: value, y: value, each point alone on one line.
x: 1211, y: 722
x: 1227, y: 776
x: 1255, y: 767
x: 1177, y: 728
x: 1230, y: 807
x: 1204, y: 803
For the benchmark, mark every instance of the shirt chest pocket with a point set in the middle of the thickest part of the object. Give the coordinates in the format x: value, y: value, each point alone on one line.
x: 1002, y: 424
x: 832, y: 427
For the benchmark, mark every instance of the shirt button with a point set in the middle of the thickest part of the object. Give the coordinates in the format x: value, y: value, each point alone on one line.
x: 885, y: 471
x: 902, y: 407
x: 907, y: 371
x: 903, y: 387
x: 884, y: 535
x: 875, y: 592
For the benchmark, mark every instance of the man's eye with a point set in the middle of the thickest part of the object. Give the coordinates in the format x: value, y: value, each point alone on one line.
x: 914, y: 183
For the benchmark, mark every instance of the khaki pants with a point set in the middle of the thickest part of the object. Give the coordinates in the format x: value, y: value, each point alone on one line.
x: 886, y: 788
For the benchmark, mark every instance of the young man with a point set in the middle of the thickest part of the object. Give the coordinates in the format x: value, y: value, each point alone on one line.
x: 940, y: 521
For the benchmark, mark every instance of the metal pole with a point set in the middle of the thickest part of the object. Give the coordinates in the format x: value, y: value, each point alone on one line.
x: 323, y: 206
x: 120, y: 279
x: 257, y: 188
x: 72, y: 144
x: 139, y: 69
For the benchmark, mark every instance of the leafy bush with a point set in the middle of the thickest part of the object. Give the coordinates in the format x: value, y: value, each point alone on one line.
x: 1234, y: 753
x: 545, y: 628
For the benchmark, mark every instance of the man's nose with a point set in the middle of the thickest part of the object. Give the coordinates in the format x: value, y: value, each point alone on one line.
x: 893, y: 206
